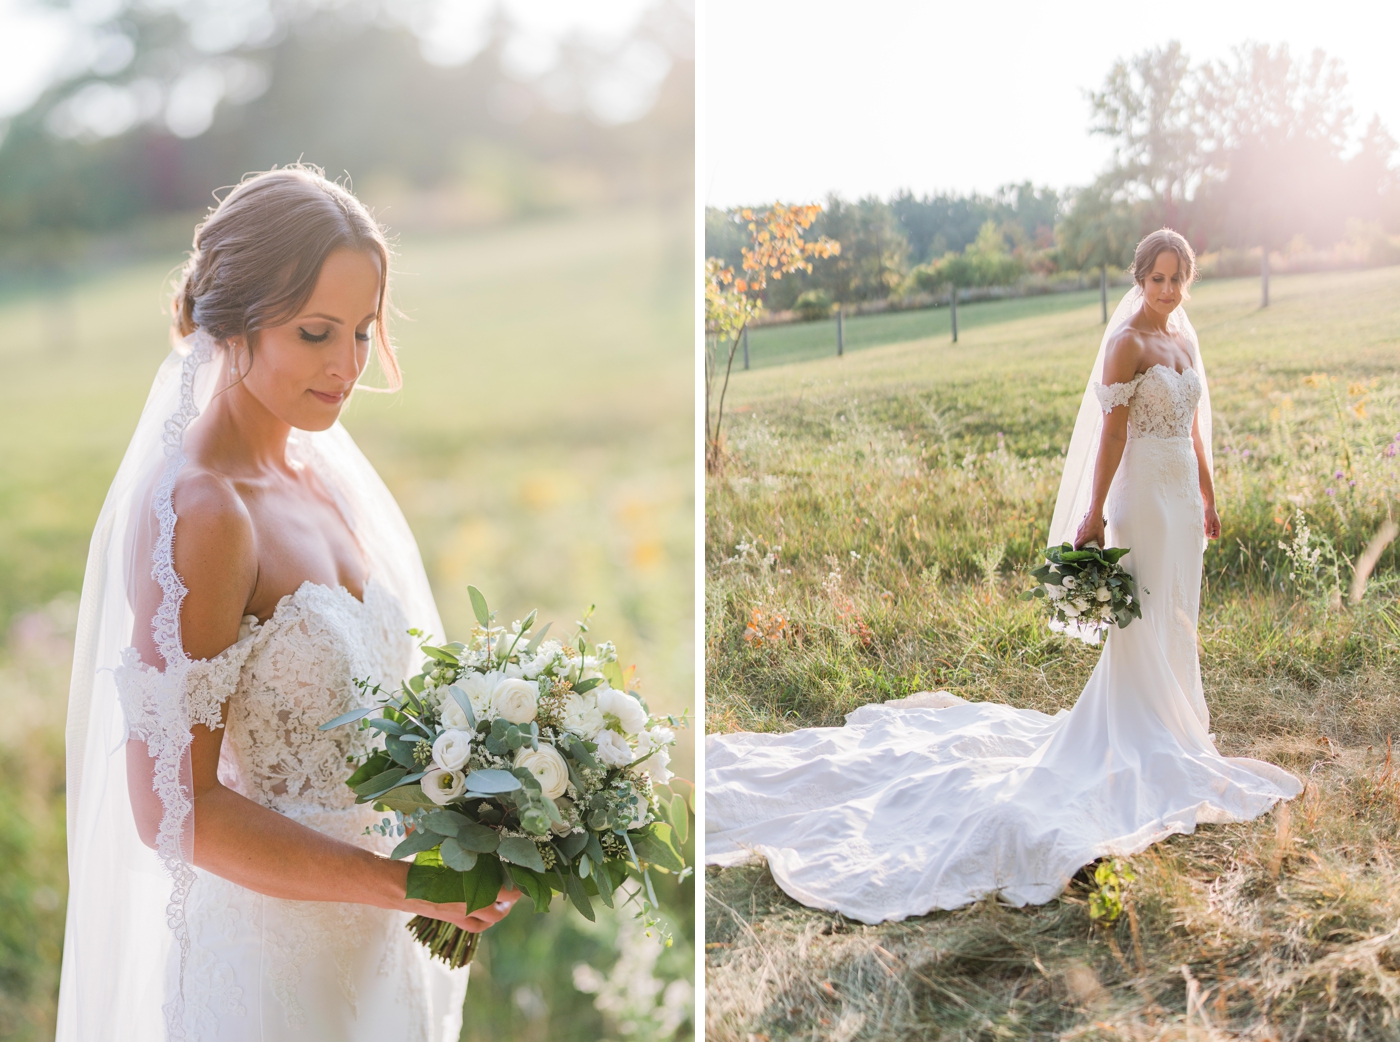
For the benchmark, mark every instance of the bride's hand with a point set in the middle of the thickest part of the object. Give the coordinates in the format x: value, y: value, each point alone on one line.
x: 456, y: 913
x: 1091, y: 530
x: 1212, y: 523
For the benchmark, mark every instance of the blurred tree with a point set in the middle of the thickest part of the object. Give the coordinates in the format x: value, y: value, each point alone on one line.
x: 873, y: 254
x: 1278, y: 131
x: 1149, y: 107
x: 985, y: 262
x: 1098, y: 231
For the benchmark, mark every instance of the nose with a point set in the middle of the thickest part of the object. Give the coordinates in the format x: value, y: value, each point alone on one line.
x: 345, y: 363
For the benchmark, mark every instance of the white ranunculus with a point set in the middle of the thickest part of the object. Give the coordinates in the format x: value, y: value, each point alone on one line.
x: 613, y: 749
x: 453, y: 748
x: 1071, y: 610
x: 565, y: 806
x: 581, y: 716
x: 547, y: 766
x: 516, y: 700
x: 1055, y: 592
x: 621, y: 707
x: 478, y: 687
x: 1081, y: 604
x: 1068, y: 582
x: 443, y: 787
x: 1103, y: 593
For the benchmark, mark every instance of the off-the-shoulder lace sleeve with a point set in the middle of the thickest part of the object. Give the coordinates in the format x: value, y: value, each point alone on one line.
x: 206, y: 683
x: 1113, y: 395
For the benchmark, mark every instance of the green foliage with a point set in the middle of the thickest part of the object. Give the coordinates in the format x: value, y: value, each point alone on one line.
x: 812, y: 305
x: 1111, y: 878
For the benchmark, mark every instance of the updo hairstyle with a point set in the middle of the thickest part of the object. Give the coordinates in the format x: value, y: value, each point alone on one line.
x: 257, y: 257
x: 1157, y: 243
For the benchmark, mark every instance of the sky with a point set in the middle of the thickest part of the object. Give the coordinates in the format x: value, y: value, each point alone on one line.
x: 37, y: 40
x: 870, y: 97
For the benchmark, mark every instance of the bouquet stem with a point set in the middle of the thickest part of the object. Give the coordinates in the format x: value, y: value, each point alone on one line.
x: 451, y: 944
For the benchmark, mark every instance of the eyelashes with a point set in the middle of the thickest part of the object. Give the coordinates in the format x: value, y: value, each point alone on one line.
x: 321, y: 338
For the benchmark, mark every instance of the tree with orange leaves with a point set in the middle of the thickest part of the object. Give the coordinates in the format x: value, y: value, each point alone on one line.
x: 777, y: 247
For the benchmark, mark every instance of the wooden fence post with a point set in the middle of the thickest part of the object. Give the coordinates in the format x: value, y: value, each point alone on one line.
x: 840, y: 332
x: 954, y: 300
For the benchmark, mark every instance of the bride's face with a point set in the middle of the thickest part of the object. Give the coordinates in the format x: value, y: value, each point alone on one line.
x: 1162, y: 289
x: 303, y: 370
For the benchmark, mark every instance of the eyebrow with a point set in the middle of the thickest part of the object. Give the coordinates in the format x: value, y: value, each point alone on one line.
x: 332, y: 318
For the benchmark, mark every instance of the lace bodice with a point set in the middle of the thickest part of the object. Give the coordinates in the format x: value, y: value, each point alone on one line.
x: 1161, y: 402
x: 282, y: 680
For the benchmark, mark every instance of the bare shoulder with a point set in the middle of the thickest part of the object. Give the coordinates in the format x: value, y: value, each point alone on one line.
x: 1122, y: 355
x: 216, y: 557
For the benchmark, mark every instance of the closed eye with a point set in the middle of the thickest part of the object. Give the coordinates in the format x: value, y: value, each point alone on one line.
x: 314, y: 338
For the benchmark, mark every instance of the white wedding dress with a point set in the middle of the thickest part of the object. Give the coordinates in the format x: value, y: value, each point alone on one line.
x: 156, y: 948
x: 268, y: 969
x: 908, y: 809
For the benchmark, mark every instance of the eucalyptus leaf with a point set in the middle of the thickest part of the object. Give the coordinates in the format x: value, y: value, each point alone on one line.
x: 572, y: 845
x: 415, y: 841
x: 381, y: 782
x: 347, y: 718
x: 579, y: 897
x: 405, y: 799
x: 537, y: 639
x: 490, y: 781
x: 521, y: 851
x: 481, y: 886
x: 479, y: 610
x: 434, y: 883
x: 462, y: 699
x: 454, y: 855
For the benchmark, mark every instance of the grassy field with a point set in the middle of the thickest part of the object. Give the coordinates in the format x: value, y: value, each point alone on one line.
x: 869, y: 537
x: 804, y: 341
x: 541, y: 448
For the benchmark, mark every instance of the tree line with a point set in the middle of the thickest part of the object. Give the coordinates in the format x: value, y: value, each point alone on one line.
x: 1254, y: 152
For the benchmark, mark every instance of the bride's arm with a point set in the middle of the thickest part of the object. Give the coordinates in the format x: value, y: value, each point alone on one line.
x: 235, y: 837
x: 1119, y: 367
x: 1207, y: 483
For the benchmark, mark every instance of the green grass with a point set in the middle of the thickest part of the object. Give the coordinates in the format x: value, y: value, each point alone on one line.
x: 875, y: 519
x: 804, y: 341
x: 541, y: 448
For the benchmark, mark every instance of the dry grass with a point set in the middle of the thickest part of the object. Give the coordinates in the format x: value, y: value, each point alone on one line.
x: 878, y: 514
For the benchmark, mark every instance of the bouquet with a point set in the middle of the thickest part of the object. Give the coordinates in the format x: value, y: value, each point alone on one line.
x: 515, y: 759
x: 1086, y: 590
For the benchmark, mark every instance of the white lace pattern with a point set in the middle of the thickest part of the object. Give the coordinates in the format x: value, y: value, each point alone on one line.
x: 1161, y: 402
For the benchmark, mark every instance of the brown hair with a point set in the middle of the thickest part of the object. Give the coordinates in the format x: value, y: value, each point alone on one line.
x: 258, y: 254
x: 1157, y: 243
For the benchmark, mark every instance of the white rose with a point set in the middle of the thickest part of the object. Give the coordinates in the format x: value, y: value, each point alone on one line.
x: 1054, y: 591
x: 1068, y: 582
x: 443, y: 787
x: 623, y: 708
x: 643, y: 807
x: 478, y: 688
x: 1081, y: 604
x: 547, y: 766
x: 516, y: 700
x: 581, y: 716
x: 657, y: 766
x: 613, y: 749
x: 453, y: 748
x: 1071, y: 610
x: 1103, y: 593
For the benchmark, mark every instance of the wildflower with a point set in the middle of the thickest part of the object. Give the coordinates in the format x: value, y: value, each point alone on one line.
x: 1390, y: 449
x: 1339, y: 475
x: 1246, y: 454
x: 1331, y: 491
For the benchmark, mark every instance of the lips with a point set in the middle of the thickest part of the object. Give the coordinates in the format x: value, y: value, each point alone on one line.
x: 329, y: 399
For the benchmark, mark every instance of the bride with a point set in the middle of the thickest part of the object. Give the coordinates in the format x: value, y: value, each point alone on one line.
x: 932, y: 802
x: 247, y: 565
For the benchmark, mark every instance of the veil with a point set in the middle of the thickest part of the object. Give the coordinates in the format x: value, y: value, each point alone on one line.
x: 126, y: 943
x: 1077, y: 480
